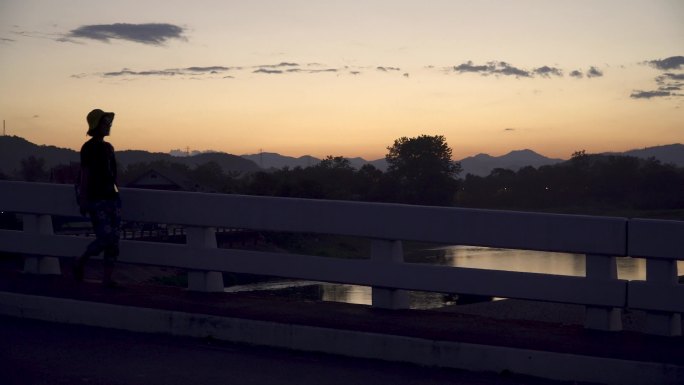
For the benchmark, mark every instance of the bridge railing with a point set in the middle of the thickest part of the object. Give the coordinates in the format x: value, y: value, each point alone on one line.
x: 601, y: 239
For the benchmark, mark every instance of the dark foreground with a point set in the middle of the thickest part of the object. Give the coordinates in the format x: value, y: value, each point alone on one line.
x: 37, y: 352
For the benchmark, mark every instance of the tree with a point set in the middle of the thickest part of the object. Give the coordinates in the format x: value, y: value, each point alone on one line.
x: 423, y: 170
x: 65, y: 173
x: 209, y: 175
x: 335, y: 162
x: 33, y: 169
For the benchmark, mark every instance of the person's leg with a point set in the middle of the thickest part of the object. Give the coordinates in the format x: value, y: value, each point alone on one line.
x: 95, y: 247
x: 107, y: 279
x: 113, y: 232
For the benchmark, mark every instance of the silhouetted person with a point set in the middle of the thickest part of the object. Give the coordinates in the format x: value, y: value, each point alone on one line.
x: 98, y: 195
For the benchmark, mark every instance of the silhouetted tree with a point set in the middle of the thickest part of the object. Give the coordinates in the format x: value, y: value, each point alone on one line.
x: 65, y: 173
x: 33, y: 169
x: 210, y: 175
x: 335, y: 162
x: 423, y: 170
x: 586, y: 183
x: 135, y: 170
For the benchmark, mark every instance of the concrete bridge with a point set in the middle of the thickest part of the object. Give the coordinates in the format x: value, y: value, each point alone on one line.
x: 603, y: 295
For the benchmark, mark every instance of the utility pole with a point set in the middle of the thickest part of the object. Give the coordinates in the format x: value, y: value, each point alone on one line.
x: 261, y: 158
x: 187, y: 150
x: 3, y: 127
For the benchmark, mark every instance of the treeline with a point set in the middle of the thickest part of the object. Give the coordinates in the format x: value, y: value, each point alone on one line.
x: 608, y: 182
x: 420, y: 171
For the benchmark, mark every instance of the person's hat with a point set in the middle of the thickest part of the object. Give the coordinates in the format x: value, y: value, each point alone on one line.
x: 94, y: 118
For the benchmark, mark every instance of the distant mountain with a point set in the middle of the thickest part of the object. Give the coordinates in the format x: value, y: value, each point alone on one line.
x: 671, y: 153
x: 13, y: 149
x: 380, y: 164
x: 228, y: 162
x: 480, y: 165
x: 483, y: 164
x: 267, y: 160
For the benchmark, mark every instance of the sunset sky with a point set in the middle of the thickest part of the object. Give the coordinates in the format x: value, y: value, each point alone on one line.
x: 346, y: 77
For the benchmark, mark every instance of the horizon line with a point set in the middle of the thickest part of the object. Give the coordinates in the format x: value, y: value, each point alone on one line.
x: 344, y: 156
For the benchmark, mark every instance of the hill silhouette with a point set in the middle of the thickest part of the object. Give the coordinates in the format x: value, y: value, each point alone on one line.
x: 483, y: 164
x: 268, y: 160
x: 13, y: 149
x: 670, y: 153
x: 480, y: 165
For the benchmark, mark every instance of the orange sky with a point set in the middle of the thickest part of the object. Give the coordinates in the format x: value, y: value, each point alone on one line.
x: 332, y: 78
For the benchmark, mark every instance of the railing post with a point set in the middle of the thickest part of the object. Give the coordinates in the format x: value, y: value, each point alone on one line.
x: 662, y: 273
x: 206, y: 281
x: 42, y: 225
x: 388, y: 252
x: 602, y: 267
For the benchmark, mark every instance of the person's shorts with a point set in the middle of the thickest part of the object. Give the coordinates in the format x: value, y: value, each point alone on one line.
x: 106, y: 218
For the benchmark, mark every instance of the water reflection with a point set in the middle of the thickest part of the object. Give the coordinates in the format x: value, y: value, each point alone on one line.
x: 322, y: 291
x: 457, y: 256
x: 346, y: 293
x: 534, y: 261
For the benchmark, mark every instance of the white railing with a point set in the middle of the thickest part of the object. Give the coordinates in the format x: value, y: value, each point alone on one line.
x: 601, y: 239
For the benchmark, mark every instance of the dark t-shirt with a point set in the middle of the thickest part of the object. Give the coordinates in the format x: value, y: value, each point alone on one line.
x: 98, y: 161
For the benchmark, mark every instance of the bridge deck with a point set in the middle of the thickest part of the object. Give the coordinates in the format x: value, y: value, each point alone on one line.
x: 426, y: 324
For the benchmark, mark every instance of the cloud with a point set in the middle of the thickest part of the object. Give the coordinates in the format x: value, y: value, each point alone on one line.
x: 509, y: 129
x: 386, y: 69
x: 492, y: 68
x: 6, y: 40
x: 206, y: 72
x: 211, y: 70
x: 547, y: 71
x: 507, y: 69
x: 152, y: 33
x: 267, y: 71
x: 355, y: 72
x: 286, y: 67
x: 670, y: 63
x: 668, y: 82
x: 576, y: 74
x: 323, y: 70
x: 279, y: 65
x: 594, y: 73
x: 127, y: 72
x: 669, y: 76
x: 469, y: 67
x: 649, y: 94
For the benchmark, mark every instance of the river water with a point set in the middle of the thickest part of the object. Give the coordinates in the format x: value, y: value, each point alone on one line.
x: 457, y: 256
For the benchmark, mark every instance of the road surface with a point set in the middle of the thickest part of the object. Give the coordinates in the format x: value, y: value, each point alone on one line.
x: 42, y: 353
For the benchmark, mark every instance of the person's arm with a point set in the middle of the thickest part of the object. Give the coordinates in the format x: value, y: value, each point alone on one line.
x: 83, y: 192
x: 114, y: 170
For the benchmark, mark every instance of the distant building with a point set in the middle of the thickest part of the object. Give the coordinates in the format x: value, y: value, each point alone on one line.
x: 155, y: 180
x: 65, y: 173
